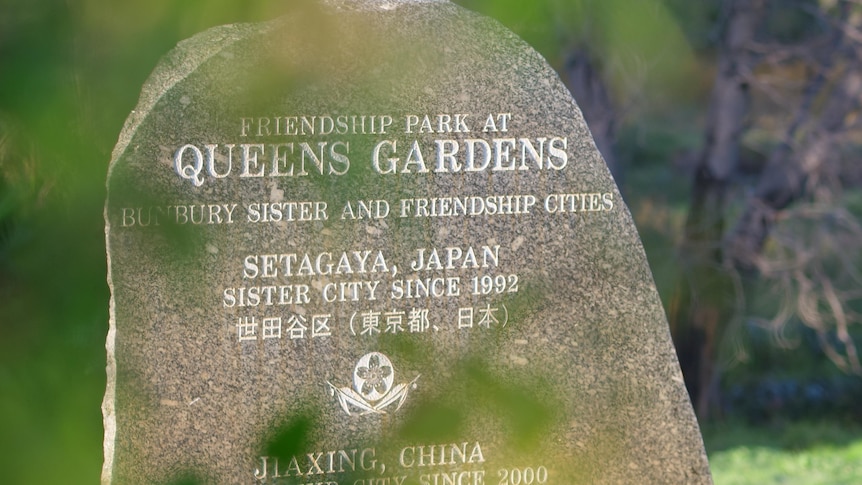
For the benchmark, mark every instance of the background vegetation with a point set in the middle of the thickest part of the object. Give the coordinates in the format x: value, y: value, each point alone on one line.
x: 731, y: 127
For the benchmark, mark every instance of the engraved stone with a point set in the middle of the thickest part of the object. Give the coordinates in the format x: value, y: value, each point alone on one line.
x: 372, y: 242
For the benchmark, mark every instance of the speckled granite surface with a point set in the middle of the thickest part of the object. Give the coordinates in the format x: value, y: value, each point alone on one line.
x: 372, y: 242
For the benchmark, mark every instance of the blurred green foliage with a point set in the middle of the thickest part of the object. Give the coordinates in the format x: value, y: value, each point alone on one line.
x: 641, y: 51
x: 70, y: 72
x: 804, y: 453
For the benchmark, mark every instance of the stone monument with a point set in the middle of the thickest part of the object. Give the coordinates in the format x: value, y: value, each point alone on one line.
x: 372, y: 242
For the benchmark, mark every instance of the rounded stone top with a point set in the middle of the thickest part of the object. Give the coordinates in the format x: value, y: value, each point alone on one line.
x: 376, y: 4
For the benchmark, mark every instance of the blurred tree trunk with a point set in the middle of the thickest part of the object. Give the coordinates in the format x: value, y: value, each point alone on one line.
x: 807, y: 145
x: 822, y: 297
x: 786, y: 174
x: 591, y: 93
x: 704, y: 300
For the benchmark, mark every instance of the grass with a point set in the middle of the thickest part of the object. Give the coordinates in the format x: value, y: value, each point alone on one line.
x: 790, y: 454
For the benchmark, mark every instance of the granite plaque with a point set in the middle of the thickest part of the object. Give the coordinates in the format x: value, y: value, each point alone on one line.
x: 372, y: 242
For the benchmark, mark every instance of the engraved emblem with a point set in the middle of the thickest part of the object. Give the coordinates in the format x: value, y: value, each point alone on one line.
x: 373, y: 390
